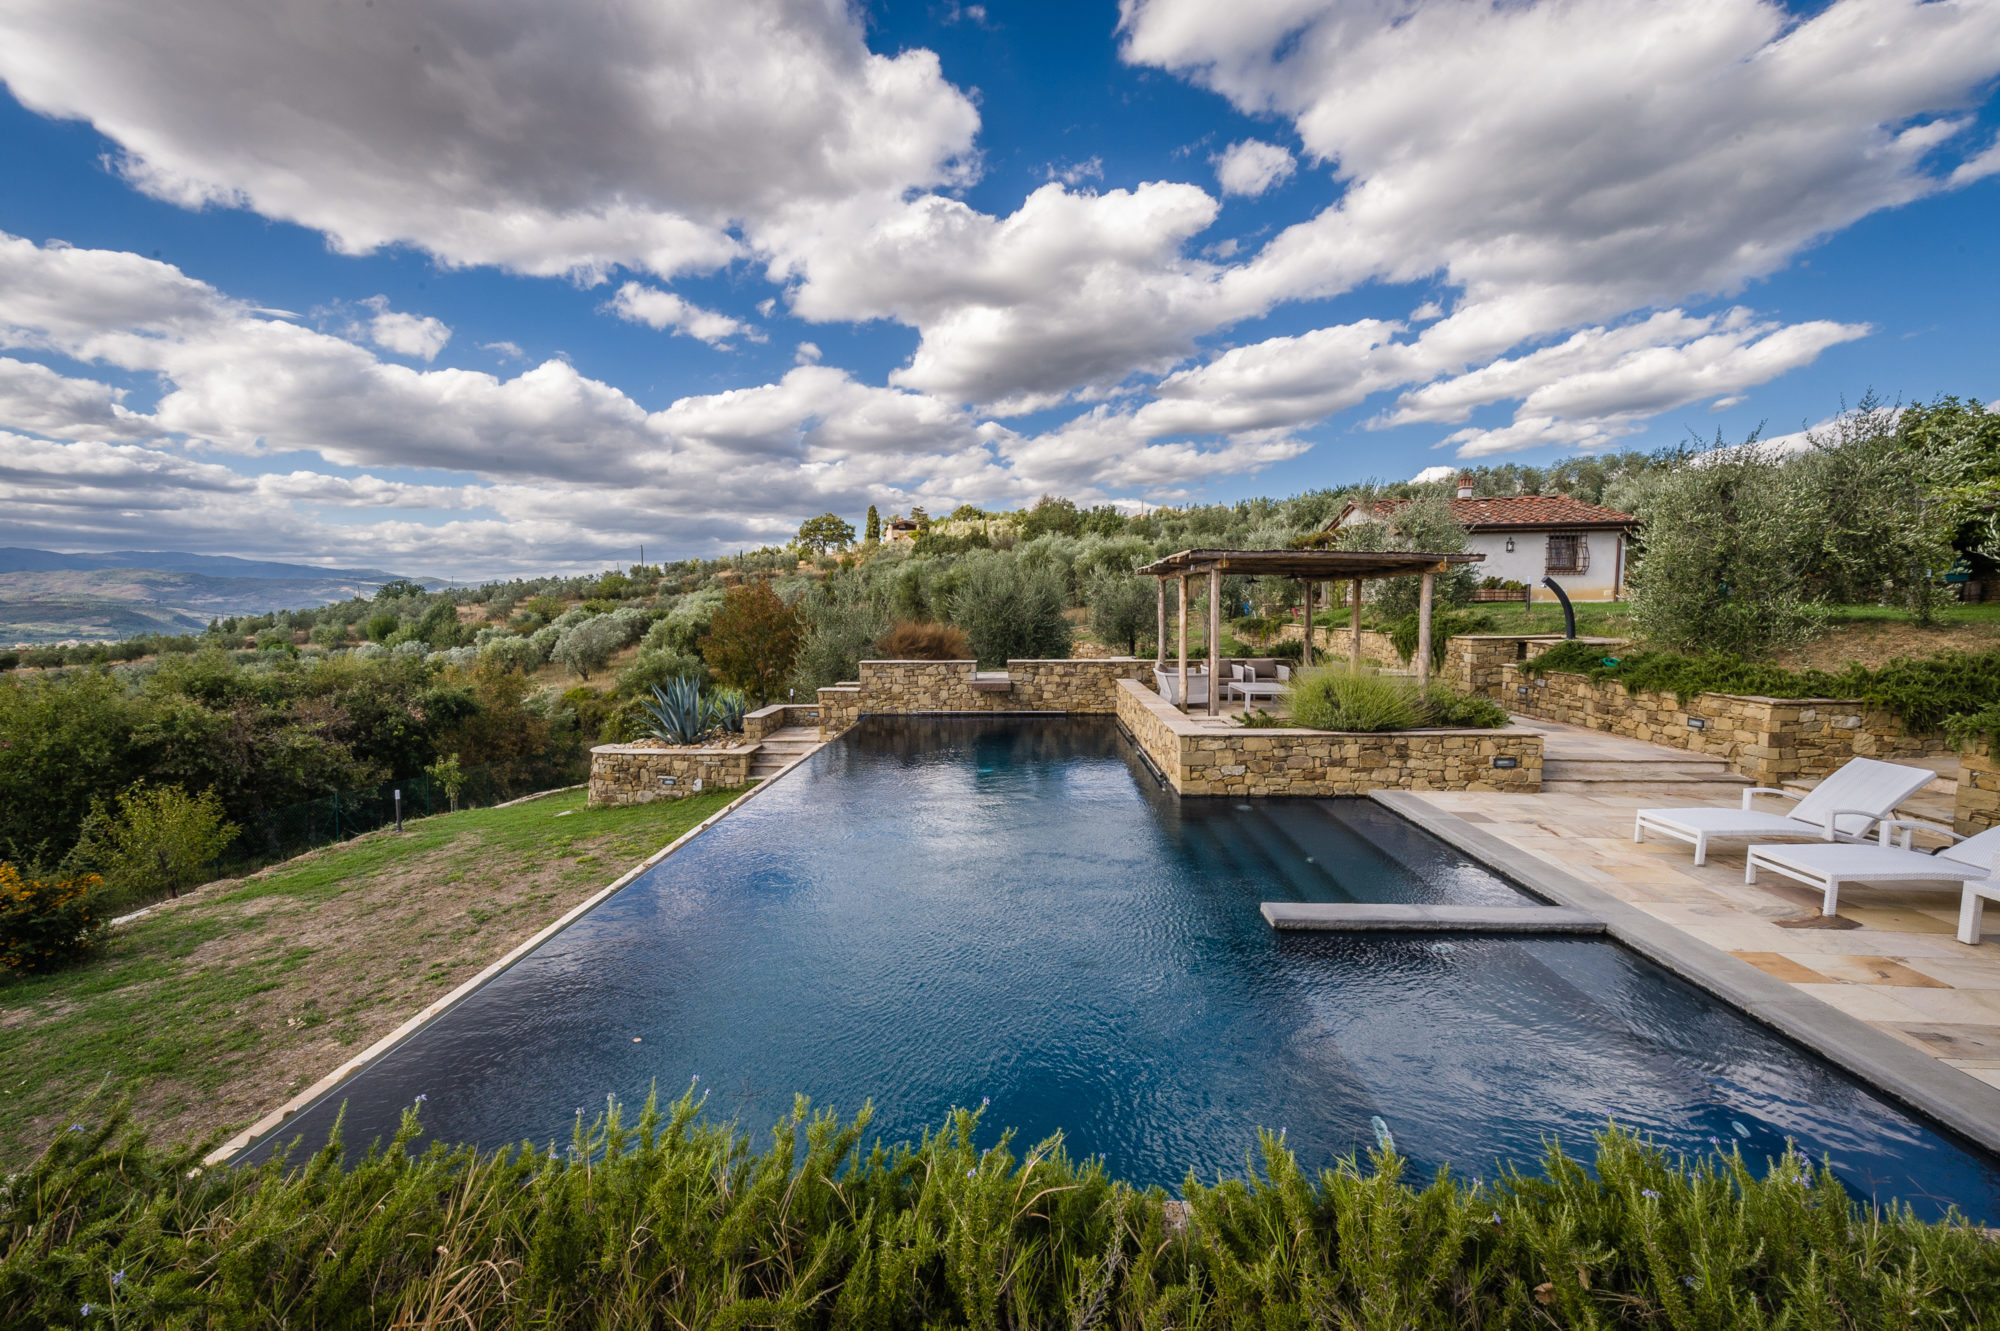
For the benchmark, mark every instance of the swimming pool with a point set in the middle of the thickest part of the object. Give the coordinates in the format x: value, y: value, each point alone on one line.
x: 938, y: 911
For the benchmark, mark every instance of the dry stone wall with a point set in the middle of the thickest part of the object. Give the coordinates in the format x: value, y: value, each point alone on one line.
x: 1200, y: 759
x: 778, y: 716
x: 1770, y: 740
x: 891, y: 688
x: 640, y: 774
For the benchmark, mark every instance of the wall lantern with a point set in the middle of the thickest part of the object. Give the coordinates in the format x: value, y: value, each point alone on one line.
x: 1506, y: 762
x: 1510, y: 545
x: 1697, y: 723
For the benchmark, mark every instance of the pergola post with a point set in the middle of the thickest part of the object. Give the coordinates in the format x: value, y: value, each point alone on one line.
x: 1354, y: 647
x: 1180, y: 636
x: 1160, y: 638
x: 1214, y: 641
x: 1424, y: 630
x: 1306, y: 651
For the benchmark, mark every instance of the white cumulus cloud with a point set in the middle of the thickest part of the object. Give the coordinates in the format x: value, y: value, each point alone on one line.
x: 418, y: 336
x: 1252, y: 166
x: 638, y: 303
x: 556, y: 140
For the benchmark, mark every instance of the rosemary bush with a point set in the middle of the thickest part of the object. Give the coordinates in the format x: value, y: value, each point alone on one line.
x: 674, y: 1222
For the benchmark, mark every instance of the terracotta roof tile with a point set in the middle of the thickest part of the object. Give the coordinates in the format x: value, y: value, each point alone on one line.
x: 1524, y: 511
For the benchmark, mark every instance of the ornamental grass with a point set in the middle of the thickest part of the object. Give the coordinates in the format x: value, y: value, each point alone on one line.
x: 1336, y: 698
x: 674, y: 1222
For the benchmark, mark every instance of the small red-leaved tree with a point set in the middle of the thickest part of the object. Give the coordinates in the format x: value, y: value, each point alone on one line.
x: 753, y: 640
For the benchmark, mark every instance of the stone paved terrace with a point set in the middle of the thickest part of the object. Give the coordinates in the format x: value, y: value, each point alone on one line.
x: 1893, y: 963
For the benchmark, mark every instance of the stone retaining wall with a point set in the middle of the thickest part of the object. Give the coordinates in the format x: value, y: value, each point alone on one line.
x: 1376, y: 648
x: 778, y: 716
x: 1201, y: 759
x: 636, y: 774
x: 1770, y: 740
x: 893, y: 688
x: 1978, y: 805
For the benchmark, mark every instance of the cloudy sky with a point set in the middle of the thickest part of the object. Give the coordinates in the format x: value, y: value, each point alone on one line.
x: 479, y: 286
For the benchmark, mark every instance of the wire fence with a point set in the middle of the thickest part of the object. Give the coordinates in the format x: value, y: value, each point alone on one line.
x: 311, y: 824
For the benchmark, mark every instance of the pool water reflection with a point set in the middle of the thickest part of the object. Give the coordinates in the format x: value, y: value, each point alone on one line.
x: 935, y: 911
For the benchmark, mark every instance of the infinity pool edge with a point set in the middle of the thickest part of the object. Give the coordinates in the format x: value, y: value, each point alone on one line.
x: 258, y: 1131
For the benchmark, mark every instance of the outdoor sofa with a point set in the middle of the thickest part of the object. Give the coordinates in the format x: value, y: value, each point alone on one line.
x: 1973, y: 862
x: 1258, y: 677
x: 1844, y: 807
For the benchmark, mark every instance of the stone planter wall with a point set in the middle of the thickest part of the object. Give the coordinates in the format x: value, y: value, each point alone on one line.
x: 893, y: 688
x: 778, y: 716
x: 1770, y: 740
x: 1978, y: 805
x: 1206, y: 760
x: 637, y: 774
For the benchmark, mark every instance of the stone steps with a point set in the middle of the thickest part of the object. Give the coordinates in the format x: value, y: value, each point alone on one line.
x: 780, y: 749
x: 1691, y: 776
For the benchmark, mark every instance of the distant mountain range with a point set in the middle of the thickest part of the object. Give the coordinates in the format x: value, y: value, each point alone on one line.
x: 48, y: 596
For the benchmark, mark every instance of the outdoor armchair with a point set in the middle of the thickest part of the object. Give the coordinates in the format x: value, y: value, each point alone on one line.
x: 1971, y: 861
x: 1168, y: 679
x: 1844, y: 807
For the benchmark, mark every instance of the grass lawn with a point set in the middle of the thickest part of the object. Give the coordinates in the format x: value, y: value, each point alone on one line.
x: 215, y: 1008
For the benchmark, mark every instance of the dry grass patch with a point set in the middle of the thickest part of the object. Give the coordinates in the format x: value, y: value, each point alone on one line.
x: 216, y: 1007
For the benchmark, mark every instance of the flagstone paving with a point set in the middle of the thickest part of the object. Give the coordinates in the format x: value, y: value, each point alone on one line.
x: 1889, y: 959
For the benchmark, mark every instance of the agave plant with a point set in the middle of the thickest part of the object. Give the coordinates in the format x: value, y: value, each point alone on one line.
x: 726, y: 708
x: 676, y: 711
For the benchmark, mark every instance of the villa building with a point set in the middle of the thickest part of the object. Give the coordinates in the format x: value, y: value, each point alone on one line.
x: 1526, y: 538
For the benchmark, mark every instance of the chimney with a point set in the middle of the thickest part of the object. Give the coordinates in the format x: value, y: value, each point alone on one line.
x: 1465, y: 485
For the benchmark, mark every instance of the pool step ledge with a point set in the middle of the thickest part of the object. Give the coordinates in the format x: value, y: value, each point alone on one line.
x: 1398, y: 917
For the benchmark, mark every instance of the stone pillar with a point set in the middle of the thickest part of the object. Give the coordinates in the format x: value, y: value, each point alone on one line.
x: 1424, y: 630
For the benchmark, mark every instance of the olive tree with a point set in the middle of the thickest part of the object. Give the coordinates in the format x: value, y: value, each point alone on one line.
x: 588, y: 646
x: 1009, y: 612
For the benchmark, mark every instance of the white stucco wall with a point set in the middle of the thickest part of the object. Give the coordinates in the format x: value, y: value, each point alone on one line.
x: 1529, y: 563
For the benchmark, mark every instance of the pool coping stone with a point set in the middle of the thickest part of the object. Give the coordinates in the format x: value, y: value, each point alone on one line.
x: 257, y: 1132
x: 1966, y: 1105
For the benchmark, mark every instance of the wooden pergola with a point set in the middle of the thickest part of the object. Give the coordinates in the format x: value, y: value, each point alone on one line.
x: 1309, y: 567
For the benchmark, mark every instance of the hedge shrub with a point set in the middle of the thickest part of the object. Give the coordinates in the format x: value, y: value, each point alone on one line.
x: 1923, y: 691
x: 675, y: 1222
x: 45, y: 925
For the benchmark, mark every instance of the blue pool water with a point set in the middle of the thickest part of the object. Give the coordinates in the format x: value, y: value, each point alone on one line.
x: 932, y: 912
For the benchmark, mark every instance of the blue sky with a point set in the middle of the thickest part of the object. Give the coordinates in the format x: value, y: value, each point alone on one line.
x: 487, y: 287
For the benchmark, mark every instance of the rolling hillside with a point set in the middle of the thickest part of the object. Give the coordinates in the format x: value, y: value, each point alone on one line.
x: 49, y: 596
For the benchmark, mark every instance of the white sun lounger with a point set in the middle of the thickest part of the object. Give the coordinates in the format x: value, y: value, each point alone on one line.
x: 1972, y: 861
x: 1844, y: 807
